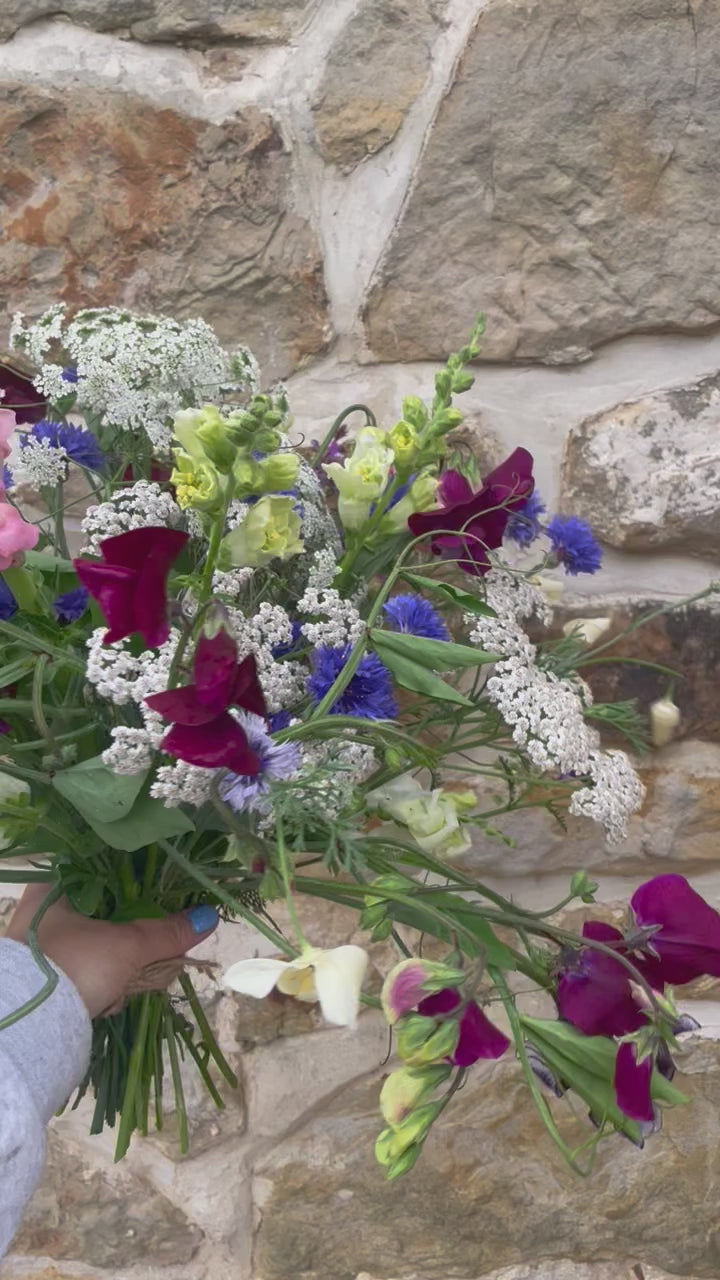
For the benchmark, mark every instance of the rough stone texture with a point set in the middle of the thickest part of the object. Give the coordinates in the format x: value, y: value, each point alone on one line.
x: 177, y: 20
x: 373, y: 74
x: 563, y: 1270
x: 647, y: 475
x: 676, y: 830
x: 105, y: 1220
x: 568, y: 187
x: 178, y: 215
x: 490, y: 1192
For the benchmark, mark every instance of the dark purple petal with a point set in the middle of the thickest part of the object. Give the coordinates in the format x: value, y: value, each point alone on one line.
x: 479, y: 1038
x: 632, y: 1084
x: 182, y: 706
x: 214, y: 667
x: 247, y: 693
x: 439, y: 1003
x: 454, y: 489
x: 114, y: 589
x: 220, y: 743
x: 688, y: 939
x: 594, y: 994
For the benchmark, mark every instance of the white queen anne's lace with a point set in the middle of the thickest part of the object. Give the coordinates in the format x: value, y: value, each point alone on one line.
x: 39, y: 463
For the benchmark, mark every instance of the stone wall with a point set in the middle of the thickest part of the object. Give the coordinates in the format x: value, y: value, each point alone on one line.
x: 343, y: 184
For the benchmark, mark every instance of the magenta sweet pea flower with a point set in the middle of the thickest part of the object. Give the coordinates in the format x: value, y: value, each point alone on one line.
x: 478, y: 1038
x: 686, y: 928
x: 632, y: 1083
x: 203, y: 731
x: 593, y: 991
x: 130, y: 582
x: 479, y: 518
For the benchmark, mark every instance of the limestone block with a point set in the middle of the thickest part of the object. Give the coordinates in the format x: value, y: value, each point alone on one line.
x: 568, y: 186
x: 108, y: 200
x: 646, y: 474
x: 490, y: 1192
x: 198, y: 21
x: 374, y: 72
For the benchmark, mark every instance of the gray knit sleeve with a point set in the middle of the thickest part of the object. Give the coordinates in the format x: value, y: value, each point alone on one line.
x: 42, y: 1059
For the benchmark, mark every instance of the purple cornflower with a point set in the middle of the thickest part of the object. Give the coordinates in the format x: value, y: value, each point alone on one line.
x: 368, y: 694
x: 69, y: 374
x: 278, y: 761
x: 574, y: 545
x: 416, y: 617
x: 80, y: 445
x: 7, y: 477
x: 71, y: 605
x: 8, y: 603
x: 524, y: 526
x: 279, y: 720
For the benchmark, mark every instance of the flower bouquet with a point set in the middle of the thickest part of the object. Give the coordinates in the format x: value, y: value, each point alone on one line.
x: 273, y: 669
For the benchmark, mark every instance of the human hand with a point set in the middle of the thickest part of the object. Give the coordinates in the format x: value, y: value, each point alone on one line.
x: 105, y: 961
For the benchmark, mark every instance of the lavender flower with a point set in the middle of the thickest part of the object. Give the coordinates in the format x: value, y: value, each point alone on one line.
x: 8, y: 603
x: 278, y: 761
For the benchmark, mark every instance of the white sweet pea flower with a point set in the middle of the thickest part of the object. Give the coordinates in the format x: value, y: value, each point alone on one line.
x: 589, y: 630
x: 333, y: 977
x: 664, y: 721
x: 431, y: 817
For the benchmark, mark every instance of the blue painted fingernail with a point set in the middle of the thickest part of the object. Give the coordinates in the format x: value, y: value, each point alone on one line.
x: 202, y: 918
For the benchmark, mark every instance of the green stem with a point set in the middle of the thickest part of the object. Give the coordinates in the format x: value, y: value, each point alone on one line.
x: 328, y: 439
x: 287, y: 886
x: 129, y: 1110
x: 28, y: 640
x: 177, y: 1082
x: 205, y: 1030
x: 51, y: 977
x: 234, y: 905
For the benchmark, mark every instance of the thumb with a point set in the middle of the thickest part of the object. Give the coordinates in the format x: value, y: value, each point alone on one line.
x: 176, y: 934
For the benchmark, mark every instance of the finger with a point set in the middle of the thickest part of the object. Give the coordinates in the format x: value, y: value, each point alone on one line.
x: 176, y: 934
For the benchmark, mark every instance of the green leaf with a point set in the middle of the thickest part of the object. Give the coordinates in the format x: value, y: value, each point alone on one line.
x: 412, y: 676
x: 97, y: 793
x: 46, y: 562
x: 22, y: 586
x: 436, y: 655
x: 147, y: 821
x: 461, y: 599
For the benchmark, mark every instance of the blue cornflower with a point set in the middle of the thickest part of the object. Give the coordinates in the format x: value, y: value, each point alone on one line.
x: 523, y: 526
x: 368, y: 694
x: 71, y: 605
x: 69, y: 374
x: 416, y: 617
x: 278, y: 760
x: 574, y: 545
x: 283, y: 650
x: 79, y: 444
x: 7, y: 477
x: 8, y: 603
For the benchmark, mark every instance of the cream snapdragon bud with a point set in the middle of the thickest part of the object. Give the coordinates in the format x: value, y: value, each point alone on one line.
x: 664, y: 721
x: 589, y: 629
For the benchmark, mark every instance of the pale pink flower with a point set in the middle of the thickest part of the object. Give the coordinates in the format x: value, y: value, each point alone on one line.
x: 7, y: 426
x: 16, y: 535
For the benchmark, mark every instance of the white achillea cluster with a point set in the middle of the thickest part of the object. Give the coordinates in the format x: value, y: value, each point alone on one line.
x: 119, y: 676
x: 283, y: 683
x: 336, y: 621
x: 616, y: 793
x: 323, y: 570
x: 130, y: 752
x: 136, y: 371
x: 182, y: 783
x: 138, y: 507
x: 39, y: 463
x: 546, y: 713
x: 328, y: 776
x: 231, y: 582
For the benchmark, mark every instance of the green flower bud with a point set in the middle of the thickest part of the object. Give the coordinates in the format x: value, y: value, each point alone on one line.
x: 415, y: 412
x: 404, y: 1163
x: 404, y: 442
x: 416, y: 1045
x: 581, y: 886
x: 406, y: 1088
